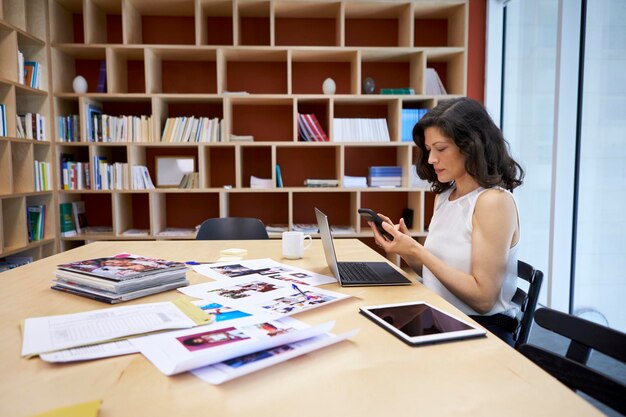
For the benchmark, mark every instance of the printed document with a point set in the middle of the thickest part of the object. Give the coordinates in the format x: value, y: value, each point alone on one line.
x: 85, y: 353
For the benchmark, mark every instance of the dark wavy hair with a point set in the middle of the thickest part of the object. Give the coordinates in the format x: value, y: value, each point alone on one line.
x: 486, y: 152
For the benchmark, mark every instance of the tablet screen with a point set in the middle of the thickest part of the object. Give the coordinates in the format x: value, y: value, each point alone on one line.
x: 419, y: 320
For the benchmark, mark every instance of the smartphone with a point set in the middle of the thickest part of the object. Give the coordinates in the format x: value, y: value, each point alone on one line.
x: 371, y: 216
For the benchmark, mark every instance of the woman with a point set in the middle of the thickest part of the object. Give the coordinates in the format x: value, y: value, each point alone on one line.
x: 470, y: 255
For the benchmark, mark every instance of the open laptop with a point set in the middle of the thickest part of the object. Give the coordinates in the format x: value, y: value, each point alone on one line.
x: 356, y: 274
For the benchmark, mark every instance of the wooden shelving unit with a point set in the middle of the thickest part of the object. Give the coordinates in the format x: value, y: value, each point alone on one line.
x: 175, y: 58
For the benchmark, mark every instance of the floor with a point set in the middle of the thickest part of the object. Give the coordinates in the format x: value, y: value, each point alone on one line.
x: 556, y: 343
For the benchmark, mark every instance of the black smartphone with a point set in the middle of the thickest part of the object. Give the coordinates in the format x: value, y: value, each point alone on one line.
x: 371, y: 216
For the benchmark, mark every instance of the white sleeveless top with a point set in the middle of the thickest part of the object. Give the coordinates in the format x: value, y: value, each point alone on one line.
x: 450, y: 239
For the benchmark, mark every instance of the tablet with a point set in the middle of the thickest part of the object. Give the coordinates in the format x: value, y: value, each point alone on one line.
x: 418, y: 323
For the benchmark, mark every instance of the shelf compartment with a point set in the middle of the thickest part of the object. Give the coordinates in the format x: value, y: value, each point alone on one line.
x: 269, y: 69
x: 104, y: 21
x: 333, y: 204
x: 22, y: 162
x: 183, y: 211
x: 319, y: 107
x: 377, y: 24
x: 254, y: 23
x: 309, y: 69
x: 269, y: 120
x: 64, y: 108
x: 391, y: 69
x: 66, y: 21
x: 167, y: 107
x: 25, y: 102
x: 26, y: 15
x: 450, y: 66
x: 8, y: 52
x: 14, y: 232
x: 6, y: 182
x: 358, y: 159
x: 307, y: 24
x: 371, y: 108
x: 151, y: 153
x: 35, y: 51
x: 392, y: 204
x: 171, y: 23
x: 77, y: 154
x: 127, y: 72
x: 42, y: 152
x: 216, y: 22
x: 270, y: 207
x: 257, y: 161
x: 98, y: 212
x: 437, y: 25
x: 7, y: 97
x: 220, y: 167
x: 182, y: 71
x: 132, y: 211
x: 298, y: 163
x: 70, y: 61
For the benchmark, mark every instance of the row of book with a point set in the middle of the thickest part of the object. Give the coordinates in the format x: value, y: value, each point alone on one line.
x: 36, y: 218
x: 385, y: 176
x: 309, y: 129
x: 73, y: 218
x: 31, y: 126
x: 4, y: 129
x: 192, y: 129
x: 410, y: 117
x: 106, y: 128
x: 68, y: 128
x: 43, y: 176
x: 360, y: 130
x: 28, y: 72
x: 74, y: 175
x: 120, y: 176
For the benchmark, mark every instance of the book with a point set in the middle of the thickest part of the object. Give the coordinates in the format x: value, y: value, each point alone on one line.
x: 67, y: 226
x: 79, y: 215
x: 315, y: 182
x: 121, y: 267
x: 433, y: 86
x: 397, y: 91
x: 36, y: 222
x: 101, y: 87
x: 112, y: 298
x: 256, y: 182
x: 3, y: 121
x: 279, y: 177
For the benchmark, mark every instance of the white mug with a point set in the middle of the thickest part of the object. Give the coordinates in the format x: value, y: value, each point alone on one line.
x: 293, y: 244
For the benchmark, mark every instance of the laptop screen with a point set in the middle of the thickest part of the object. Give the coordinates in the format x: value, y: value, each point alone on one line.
x: 327, y: 242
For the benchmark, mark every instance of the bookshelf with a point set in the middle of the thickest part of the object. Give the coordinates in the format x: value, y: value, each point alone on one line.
x: 254, y: 65
x: 23, y: 29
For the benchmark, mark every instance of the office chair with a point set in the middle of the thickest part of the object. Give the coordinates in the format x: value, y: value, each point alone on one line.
x: 572, y: 369
x: 232, y: 228
x: 527, y: 300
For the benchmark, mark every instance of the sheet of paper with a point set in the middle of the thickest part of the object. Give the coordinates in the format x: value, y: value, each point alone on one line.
x: 88, y: 409
x: 257, y: 293
x: 265, y: 268
x: 183, y: 350
x: 52, y: 333
x: 243, y: 365
x: 85, y: 353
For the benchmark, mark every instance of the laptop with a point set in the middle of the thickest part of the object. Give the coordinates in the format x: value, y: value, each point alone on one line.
x: 356, y: 274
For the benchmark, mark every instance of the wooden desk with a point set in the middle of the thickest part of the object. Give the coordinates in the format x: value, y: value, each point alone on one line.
x: 374, y: 374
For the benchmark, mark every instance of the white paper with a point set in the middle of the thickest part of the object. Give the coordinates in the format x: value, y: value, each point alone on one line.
x: 244, y: 365
x: 52, y: 333
x: 103, y: 350
x: 183, y: 350
x: 268, y: 268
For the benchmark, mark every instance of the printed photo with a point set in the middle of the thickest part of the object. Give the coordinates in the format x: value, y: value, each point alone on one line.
x: 211, y: 339
x: 233, y: 270
x: 244, y: 290
x: 274, y: 270
x: 222, y: 313
x: 297, y: 302
x: 287, y: 278
x: 273, y: 329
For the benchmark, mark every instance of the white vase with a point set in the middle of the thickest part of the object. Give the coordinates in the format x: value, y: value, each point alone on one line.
x: 329, y: 86
x: 79, y: 84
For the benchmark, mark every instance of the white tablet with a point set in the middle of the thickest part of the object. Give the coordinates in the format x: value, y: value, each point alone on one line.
x: 419, y: 323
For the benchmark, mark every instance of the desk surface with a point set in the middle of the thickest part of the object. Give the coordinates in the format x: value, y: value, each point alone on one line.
x: 373, y: 374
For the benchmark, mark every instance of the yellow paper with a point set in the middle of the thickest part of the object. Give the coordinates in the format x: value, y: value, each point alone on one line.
x: 195, y: 313
x: 88, y: 409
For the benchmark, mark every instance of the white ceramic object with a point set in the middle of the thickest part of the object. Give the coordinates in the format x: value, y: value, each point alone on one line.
x: 293, y: 244
x: 79, y: 84
x: 329, y: 86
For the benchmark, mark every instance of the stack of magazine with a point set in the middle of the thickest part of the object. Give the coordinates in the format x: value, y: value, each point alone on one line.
x: 120, y: 277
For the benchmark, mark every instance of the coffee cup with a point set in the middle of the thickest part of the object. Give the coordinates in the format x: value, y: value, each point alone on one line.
x: 293, y: 244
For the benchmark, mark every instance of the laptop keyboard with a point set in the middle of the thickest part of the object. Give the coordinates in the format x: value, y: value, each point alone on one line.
x: 358, y: 272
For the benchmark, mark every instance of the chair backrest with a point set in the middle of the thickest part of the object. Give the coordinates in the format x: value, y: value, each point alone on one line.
x: 527, y: 300
x: 232, y: 228
x: 572, y: 369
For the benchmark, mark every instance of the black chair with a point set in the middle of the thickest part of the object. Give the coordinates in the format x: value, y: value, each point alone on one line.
x: 232, y: 228
x: 527, y: 300
x: 572, y: 369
